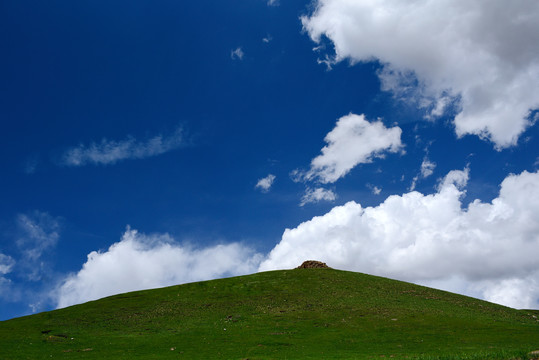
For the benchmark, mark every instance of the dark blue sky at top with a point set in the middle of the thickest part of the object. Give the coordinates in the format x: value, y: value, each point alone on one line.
x: 77, y: 72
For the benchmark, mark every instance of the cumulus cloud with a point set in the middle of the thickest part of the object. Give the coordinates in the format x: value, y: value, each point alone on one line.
x: 353, y: 141
x: 433, y: 52
x: 110, y: 152
x: 141, y: 261
x: 237, y: 54
x: 317, y: 195
x: 265, y: 184
x: 487, y: 250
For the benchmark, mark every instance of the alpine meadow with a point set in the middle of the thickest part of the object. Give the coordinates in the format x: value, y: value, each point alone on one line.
x: 166, y: 167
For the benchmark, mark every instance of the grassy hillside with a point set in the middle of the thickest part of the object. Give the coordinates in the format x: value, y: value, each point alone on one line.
x: 294, y: 314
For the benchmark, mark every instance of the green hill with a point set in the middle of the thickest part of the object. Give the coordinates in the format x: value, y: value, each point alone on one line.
x: 293, y: 314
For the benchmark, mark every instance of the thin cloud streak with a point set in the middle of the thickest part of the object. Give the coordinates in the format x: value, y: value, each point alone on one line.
x: 109, y: 152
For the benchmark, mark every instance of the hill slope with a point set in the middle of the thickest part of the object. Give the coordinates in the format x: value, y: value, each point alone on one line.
x: 303, y: 313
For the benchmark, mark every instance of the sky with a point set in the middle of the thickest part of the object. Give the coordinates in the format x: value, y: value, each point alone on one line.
x: 146, y: 144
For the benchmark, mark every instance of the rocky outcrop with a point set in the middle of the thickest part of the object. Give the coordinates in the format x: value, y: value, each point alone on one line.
x: 313, y: 264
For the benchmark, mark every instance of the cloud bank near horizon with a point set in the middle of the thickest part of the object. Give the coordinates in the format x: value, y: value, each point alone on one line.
x: 426, y: 239
x: 140, y: 261
x: 436, y: 53
x: 487, y: 250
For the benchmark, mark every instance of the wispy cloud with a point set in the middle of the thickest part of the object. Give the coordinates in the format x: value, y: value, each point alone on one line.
x: 273, y: 2
x: 6, y: 264
x: 30, y: 165
x: 374, y: 189
x: 427, y: 169
x: 38, y: 232
x: 237, y: 54
x: 265, y: 184
x: 110, y: 152
x: 316, y: 195
x: 26, y: 275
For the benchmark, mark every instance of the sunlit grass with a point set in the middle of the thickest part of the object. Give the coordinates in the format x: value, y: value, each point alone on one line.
x: 295, y: 314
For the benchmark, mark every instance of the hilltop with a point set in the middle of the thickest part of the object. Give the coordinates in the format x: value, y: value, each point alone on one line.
x: 295, y: 314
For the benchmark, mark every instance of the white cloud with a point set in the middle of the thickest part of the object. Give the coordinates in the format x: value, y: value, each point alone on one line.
x: 110, y: 151
x: 6, y: 264
x: 38, y: 232
x: 458, y: 178
x: 353, y: 141
x: 273, y: 2
x: 374, y: 189
x: 265, y: 184
x: 237, y: 54
x: 414, y: 183
x: 487, y: 250
x: 148, y: 261
x: 5, y: 283
x: 427, y: 169
x: 317, y: 195
x: 267, y: 39
x: 480, y: 51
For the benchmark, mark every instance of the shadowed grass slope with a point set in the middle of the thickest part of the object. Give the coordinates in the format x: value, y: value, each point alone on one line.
x: 293, y: 314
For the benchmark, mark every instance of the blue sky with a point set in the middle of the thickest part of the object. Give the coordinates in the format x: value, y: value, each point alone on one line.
x: 144, y: 145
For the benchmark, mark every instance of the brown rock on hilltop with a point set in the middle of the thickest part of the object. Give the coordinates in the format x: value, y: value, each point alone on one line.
x: 313, y: 264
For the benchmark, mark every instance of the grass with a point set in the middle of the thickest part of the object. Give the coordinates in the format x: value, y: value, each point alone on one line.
x: 293, y: 314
